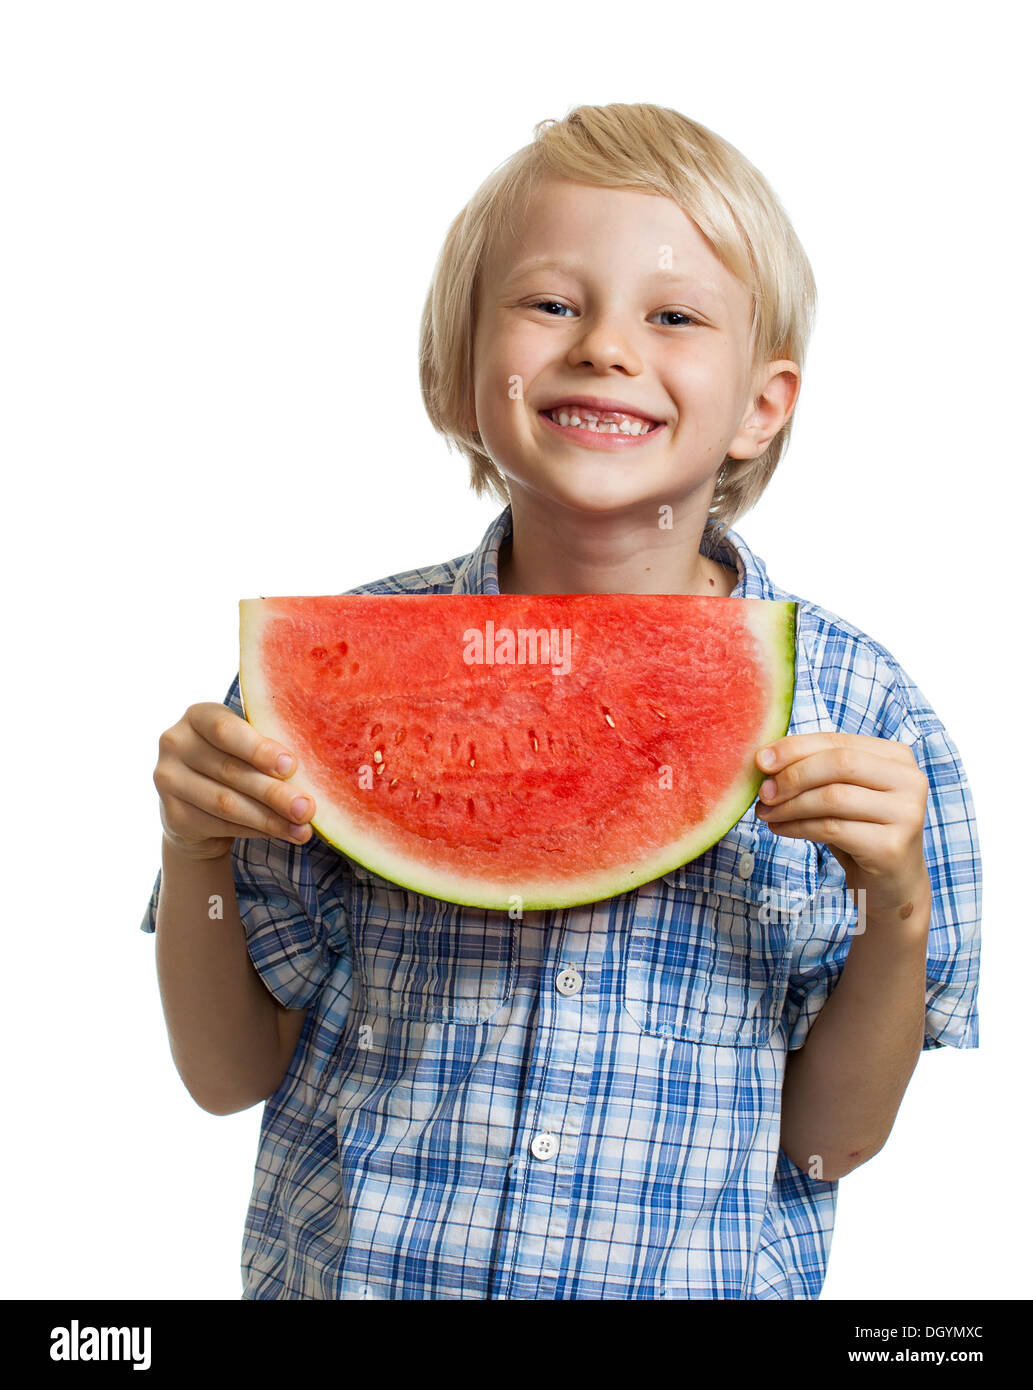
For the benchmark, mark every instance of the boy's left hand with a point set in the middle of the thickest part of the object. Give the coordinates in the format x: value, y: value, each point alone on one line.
x: 863, y: 797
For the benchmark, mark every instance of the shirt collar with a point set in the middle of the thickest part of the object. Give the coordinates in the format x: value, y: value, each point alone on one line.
x: 479, y: 572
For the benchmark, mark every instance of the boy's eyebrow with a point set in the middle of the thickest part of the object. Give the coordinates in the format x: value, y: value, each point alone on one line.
x: 542, y: 263
x: 701, y: 290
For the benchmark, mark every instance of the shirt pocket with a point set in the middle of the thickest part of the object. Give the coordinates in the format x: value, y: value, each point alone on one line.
x: 422, y: 958
x: 711, y: 943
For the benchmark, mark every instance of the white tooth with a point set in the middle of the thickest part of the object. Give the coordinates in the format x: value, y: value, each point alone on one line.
x: 625, y: 427
x: 575, y: 419
x: 564, y: 418
x: 592, y: 425
x: 611, y: 428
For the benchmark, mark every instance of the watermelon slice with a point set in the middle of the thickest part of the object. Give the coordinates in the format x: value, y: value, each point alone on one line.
x: 521, y: 751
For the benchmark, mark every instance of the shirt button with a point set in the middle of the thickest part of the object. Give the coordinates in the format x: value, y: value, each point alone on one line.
x: 544, y: 1145
x: 745, y: 864
x: 569, y: 981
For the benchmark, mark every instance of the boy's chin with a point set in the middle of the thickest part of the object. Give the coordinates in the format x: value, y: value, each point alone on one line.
x: 589, y: 496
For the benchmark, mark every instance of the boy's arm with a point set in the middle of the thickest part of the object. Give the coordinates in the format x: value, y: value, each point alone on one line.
x: 231, y: 1041
x: 843, y: 1088
x: 866, y: 799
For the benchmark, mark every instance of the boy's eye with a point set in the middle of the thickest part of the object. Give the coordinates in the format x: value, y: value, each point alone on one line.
x: 548, y: 304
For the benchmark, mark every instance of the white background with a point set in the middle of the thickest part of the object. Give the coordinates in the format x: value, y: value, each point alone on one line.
x: 219, y: 223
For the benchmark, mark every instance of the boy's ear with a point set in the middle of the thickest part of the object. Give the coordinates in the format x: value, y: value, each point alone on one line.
x: 773, y: 404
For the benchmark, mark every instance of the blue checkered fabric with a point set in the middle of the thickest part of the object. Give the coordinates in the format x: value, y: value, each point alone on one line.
x: 584, y: 1103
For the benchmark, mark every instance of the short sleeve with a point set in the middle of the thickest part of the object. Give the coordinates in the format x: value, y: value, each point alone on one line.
x: 955, y: 873
x: 951, y: 848
x: 293, y: 902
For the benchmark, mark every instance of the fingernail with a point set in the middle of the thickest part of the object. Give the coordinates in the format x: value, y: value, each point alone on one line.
x: 767, y: 757
x: 299, y: 808
x: 768, y: 786
x: 284, y: 763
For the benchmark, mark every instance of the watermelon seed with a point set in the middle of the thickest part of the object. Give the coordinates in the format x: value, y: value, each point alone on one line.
x: 375, y: 730
x: 378, y: 757
x: 534, y: 741
x: 437, y: 798
x: 416, y: 794
x: 469, y: 806
x: 428, y: 739
x: 658, y: 712
x: 609, y: 719
x: 380, y: 767
x: 399, y: 735
x: 342, y: 647
x: 318, y: 653
x: 393, y: 782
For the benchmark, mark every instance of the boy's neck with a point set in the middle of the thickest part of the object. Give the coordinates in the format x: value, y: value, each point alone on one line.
x: 555, y: 561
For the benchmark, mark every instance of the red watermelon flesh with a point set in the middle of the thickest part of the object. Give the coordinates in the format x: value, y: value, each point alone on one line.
x: 610, y: 743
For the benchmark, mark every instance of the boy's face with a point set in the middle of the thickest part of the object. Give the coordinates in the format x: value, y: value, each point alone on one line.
x: 627, y: 302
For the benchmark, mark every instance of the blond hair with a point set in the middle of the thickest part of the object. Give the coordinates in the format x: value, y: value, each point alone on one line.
x: 655, y: 150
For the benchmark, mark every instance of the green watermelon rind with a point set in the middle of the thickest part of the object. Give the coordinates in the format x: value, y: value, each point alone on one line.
x: 775, y: 627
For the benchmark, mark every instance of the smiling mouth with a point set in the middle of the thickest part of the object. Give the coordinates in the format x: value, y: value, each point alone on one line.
x: 601, y: 422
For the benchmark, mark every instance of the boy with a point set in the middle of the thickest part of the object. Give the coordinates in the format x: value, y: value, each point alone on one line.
x: 652, y: 1096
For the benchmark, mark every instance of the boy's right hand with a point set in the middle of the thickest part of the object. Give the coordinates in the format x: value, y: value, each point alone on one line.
x: 218, y: 781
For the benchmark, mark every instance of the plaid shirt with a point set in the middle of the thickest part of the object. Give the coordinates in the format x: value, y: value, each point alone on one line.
x: 585, y: 1103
